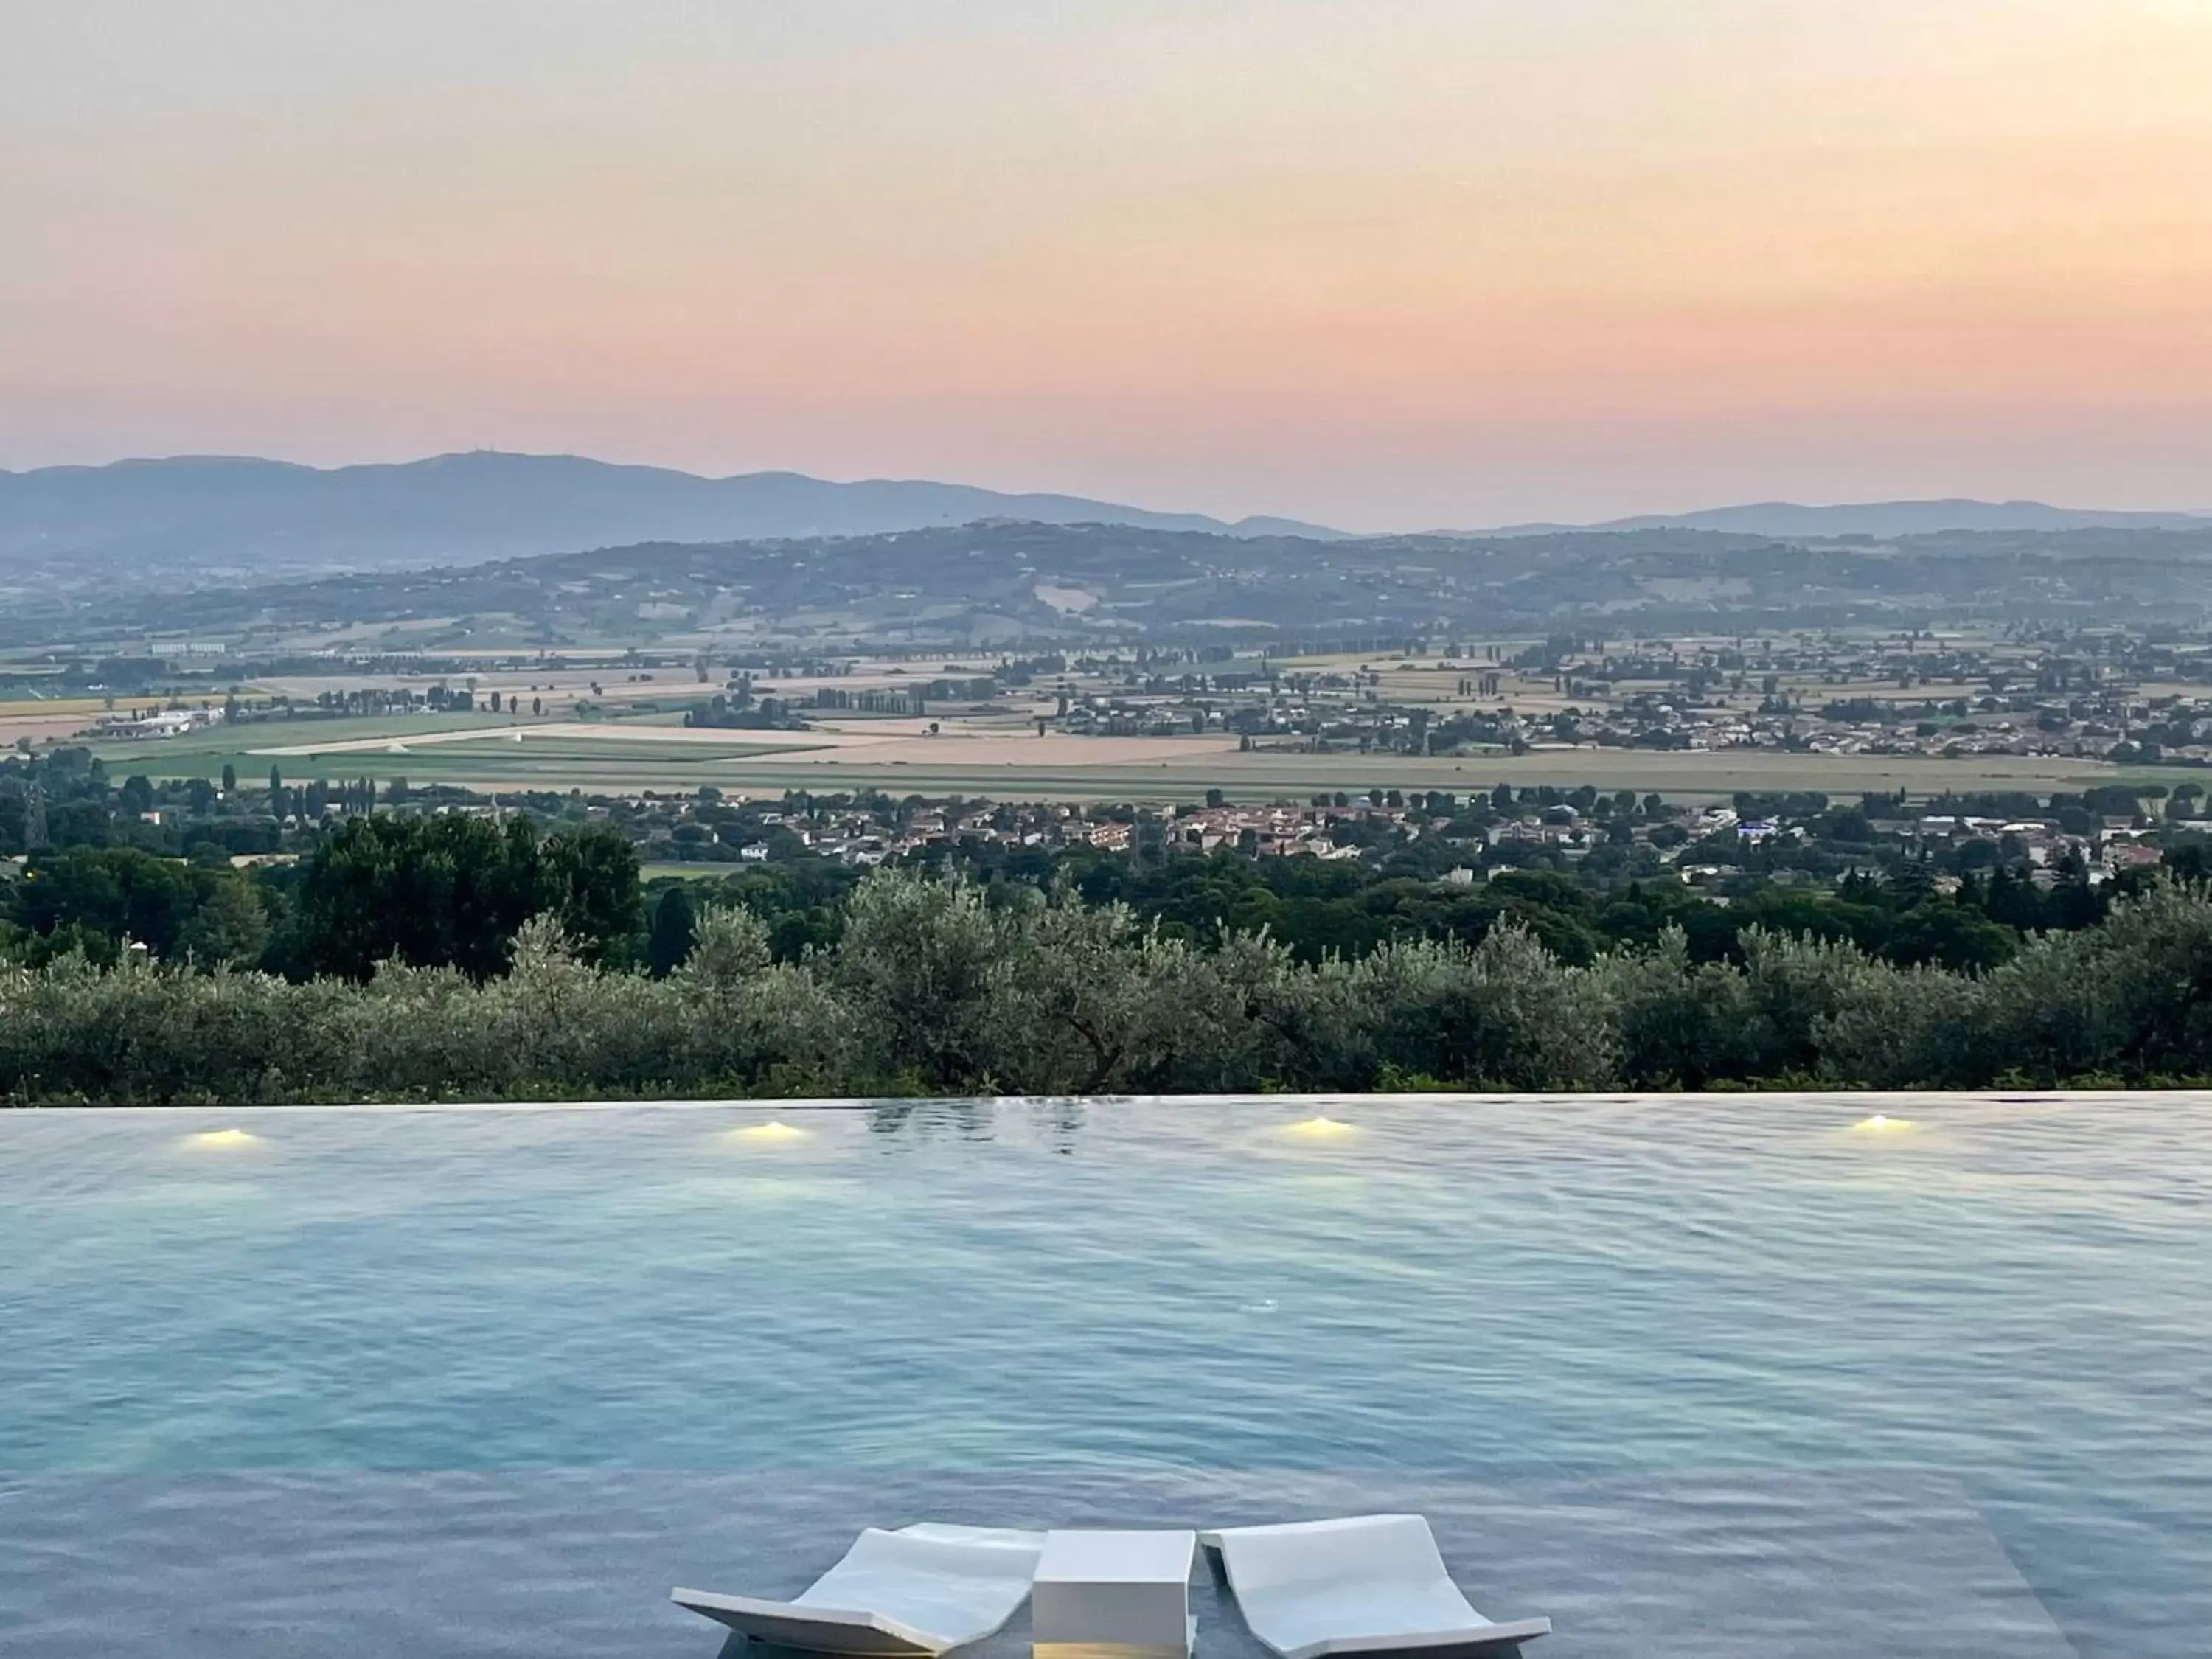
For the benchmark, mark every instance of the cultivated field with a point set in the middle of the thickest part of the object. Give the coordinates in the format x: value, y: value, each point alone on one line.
x: 635, y: 742
x: 16, y: 726
x: 490, y: 753
x: 1265, y: 775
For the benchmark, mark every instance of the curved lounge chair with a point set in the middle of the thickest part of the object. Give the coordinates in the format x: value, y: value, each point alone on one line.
x: 908, y: 1595
x: 1369, y: 1585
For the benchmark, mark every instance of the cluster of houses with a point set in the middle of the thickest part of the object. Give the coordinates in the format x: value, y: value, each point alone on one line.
x: 159, y: 722
x: 1843, y: 697
x: 2172, y: 728
x: 1698, y: 844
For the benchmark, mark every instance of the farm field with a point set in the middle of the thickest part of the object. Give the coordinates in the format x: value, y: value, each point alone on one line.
x: 83, y: 707
x: 49, y: 719
x: 993, y: 758
x: 1262, y: 775
x: 493, y: 752
x: 551, y: 734
x: 1069, y: 768
x: 17, y: 721
x: 251, y: 747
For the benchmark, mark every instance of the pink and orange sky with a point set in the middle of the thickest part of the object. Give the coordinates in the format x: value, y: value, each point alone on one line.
x: 1381, y: 263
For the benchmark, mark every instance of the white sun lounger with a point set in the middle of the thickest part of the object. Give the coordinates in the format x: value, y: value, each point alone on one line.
x: 908, y: 1595
x: 1373, y: 1584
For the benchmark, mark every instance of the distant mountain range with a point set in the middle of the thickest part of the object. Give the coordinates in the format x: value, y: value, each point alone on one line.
x: 190, y: 521
x: 1790, y: 521
x: 237, y: 515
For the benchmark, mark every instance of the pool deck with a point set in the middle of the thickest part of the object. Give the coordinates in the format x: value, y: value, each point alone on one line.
x: 1754, y: 1564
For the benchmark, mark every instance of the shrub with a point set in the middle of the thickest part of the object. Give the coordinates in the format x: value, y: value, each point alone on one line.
x: 930, y: 988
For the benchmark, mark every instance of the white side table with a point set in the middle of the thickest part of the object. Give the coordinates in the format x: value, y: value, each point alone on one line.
x: 1114, y: 1596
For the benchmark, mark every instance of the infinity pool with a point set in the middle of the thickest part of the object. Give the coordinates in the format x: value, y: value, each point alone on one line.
x: 2011, y: 1299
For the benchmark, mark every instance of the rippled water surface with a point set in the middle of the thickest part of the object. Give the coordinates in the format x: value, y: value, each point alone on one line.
x: 2013, y: 1296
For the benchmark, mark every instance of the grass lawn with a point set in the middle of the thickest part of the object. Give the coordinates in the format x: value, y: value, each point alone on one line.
x: 659, y: 869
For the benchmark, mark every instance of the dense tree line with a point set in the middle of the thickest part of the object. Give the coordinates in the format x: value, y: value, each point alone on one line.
x: 93, y: 901
x: 931, y: 987
x: 453, y: 891
x: 1911, y: 915
x: 430, y: 892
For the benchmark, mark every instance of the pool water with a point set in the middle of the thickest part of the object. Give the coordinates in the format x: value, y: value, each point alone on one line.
x: 2015, y: 1295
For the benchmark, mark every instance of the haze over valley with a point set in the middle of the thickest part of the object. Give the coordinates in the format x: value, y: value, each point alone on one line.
x: 186, y: 522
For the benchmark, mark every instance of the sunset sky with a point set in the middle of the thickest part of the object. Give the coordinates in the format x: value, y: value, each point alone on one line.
x: 1382, y: 263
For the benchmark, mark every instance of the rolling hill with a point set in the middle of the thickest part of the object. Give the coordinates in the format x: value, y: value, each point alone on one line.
x: 226, y: 520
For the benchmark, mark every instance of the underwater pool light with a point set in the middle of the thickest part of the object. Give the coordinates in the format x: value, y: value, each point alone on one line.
x: 772, y: 1131
x: 1881, y: 1124
x: 223, y: 1138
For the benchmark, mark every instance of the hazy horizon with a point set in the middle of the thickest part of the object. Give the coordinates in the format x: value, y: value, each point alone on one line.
x: 1375, y: 264
x: 1710, y: 509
